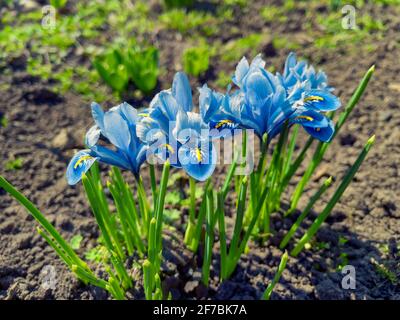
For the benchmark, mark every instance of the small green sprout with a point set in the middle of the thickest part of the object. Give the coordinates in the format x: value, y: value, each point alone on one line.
x: 15, y: 164
x: 76, y: 241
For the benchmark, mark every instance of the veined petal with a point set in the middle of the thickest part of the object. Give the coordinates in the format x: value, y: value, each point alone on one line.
x: 257, y: 88
x: 98, y: 115
x: 321, y: 100
x: 241, y: 70
x: 182, y: 92
x: 188, y: 126
x: 92, y: 136
x: 209, y: 102
x: 117, y: 130
x: 323, y: 133
x: 148, y: 130
x: 289, y: 64
x: 79, y: 164
x: 198, y: 162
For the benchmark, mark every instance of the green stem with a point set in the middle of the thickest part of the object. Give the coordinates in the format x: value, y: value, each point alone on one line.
x: 327, y: 183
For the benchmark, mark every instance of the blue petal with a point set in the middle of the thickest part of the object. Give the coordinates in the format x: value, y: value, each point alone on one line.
x: 209, y: 102
x: 92, y: 136
x: 148, y: 130
x: 310, y: 118
x: 182, y: 92
x: 257, y: 88
x: 241, y: 70
x: 141, y: 157
x: 199, y: 162
x: 324, y: 133
x: 289, y: 64
x: 111, y: 157
x: 188, y: 125
x: 79, y: 164
x: 321, y: 100
x: 116, y: 130
x: 98, y: 115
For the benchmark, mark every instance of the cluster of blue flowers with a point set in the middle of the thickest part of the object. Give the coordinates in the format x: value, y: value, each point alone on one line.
x: 169, y: 128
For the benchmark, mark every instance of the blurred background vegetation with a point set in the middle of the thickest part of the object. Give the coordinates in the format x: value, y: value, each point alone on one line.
x: 105, y: 50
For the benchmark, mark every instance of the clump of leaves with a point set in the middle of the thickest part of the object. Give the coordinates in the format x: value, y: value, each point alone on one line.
x: 196, y: 60
x: 14, y: 164
x: 112, y: 69
x: 142, y: 65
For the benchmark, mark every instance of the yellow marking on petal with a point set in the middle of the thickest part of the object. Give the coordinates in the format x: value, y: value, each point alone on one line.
x: 144, y: 114
x: 313, y: 98
x: 199, y: 156
x: 318, y: 129
x: 81, y: 159
x: 308, y: 118
x: 223, y: 122
x: 169, y: 147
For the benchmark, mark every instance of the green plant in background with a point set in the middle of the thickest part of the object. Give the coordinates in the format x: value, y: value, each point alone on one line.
x: 58, y: 4
x: 196, y: 60
x: 112, y: 69
x: 235, y: 49
x: 189, y: 21
x: 142, y: 65
x: 14, y: 164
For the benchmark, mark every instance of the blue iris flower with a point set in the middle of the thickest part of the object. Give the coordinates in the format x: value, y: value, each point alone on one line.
x: 263, y: 101
x: 118, y: 127
x: 172, y: 130
x: 267, y: 101
x: 221, y: 112
x: 299, y: 71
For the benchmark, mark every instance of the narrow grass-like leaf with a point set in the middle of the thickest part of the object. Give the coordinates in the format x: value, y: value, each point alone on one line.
x: 335, y: 198
x: 39, y: 217
x: 278, y: 274
x: 209, y: 241
x: 327, y: 183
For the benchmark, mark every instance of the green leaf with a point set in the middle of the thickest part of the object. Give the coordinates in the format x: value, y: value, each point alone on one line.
x: 171, y: 215
x: 76, y: 241
x: 172, y: 198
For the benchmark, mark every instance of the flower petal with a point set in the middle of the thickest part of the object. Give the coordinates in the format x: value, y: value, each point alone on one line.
x: 111, y: 157
x: 311, y: 119
x: 182, y: 92
x: 199, y: 162
x: 92, y: 136
x: 116, y: 130
x: 79, y: 164
x: 321, y: 100
x: 98, y: 115
x: 324, y: 133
